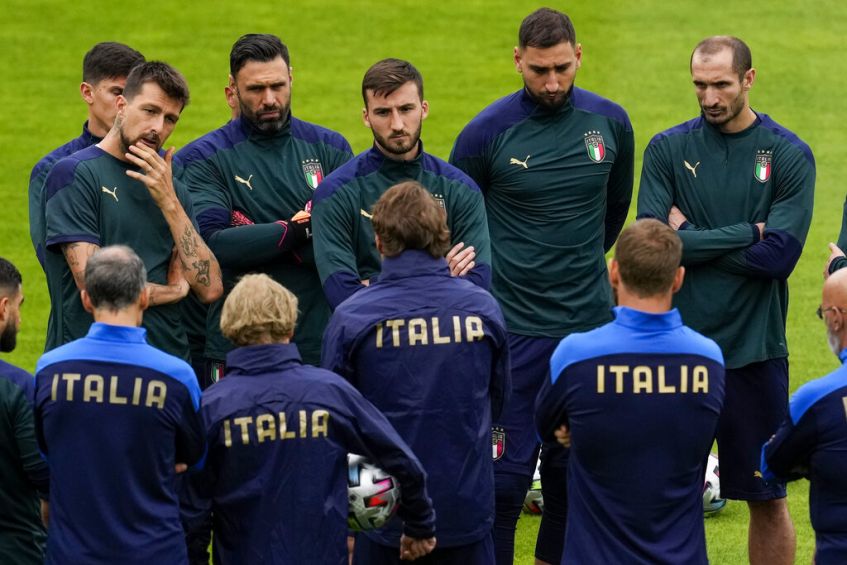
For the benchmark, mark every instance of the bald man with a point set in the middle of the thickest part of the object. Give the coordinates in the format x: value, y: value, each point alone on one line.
x: 812, y: 441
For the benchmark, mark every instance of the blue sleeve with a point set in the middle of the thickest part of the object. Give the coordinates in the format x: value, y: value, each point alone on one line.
x: 619, y: 188
x: 34, y: 466
x: 550, y: 411
x: 785, y: 457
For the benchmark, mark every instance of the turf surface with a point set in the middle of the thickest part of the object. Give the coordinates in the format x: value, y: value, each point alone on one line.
x: 634, y: 52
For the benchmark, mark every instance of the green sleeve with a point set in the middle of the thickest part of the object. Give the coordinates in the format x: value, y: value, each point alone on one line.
x: 655, y: 198
x: 468, y: 223
x: 475, y: 167
x: 619, y: 188
x: 72, y: 210
x: 333, y: 220
x: 245, y: 247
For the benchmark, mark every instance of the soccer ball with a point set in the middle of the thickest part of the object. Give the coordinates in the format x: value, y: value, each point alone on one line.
x: 534, y: 501
x: 712, y: 501
x: 373, y: 494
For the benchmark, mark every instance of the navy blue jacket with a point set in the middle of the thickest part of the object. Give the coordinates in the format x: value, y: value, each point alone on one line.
x: 812, y: 443
x: 113, y: 417
x: 430, y: 351
x: 641, y: 396
x: 276, y: 476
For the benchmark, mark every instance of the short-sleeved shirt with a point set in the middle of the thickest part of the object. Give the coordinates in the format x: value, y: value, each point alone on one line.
x: 431, y: 352
x: 344, y: 239
x: 557, y: 186
x: 264, y: 178
x: 113, y: 417
x: 91, y: 199
x: 736, y: 289
x: 641, y: 396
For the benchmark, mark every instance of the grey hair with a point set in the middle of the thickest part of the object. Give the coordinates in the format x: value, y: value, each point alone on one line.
x: 114, y: 277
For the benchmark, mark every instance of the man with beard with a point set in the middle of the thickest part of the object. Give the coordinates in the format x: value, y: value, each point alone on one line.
x: 344, y: 240
x: 122, y: 191
x: 251, y: 181
x: 738, y: 188
x: 555, y: 164
x: 23, y: 470
x: 812, y: 440
x: 104, y: 71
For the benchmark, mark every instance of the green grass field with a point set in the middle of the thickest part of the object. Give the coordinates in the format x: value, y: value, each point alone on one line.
x: 634, y: 52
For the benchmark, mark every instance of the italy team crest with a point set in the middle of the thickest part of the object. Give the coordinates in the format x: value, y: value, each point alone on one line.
x: 595, y: 146
x: 763, y: 166
x: 313, y: 172
x: 440, y: 199
x: 498, y: 443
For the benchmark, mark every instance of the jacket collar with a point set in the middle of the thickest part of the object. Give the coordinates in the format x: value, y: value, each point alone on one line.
x: 261, y: 359
x: 647, y: 321
x: 413, y: 263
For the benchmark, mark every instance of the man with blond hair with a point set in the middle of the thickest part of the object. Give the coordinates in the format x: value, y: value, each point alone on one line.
x: 430, y: 351
x: 279, y: 432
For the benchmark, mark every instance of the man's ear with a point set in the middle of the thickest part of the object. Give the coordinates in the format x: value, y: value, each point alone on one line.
x: 4, y: 309
x: 87, y: 92
x: 86, y: 302
x: 144, y: 299
x: 678, y: 279
x: 378, y: 244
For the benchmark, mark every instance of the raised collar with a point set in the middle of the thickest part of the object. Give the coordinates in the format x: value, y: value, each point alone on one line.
x: 380, y: 161
x: 843, y: 356
x: 413, y: 263
x: 737, y: 135
x: 124, y: 334
x: 528, y: 102
x: 88, y: 137
x: 254, y: 134
x: 646, y: 320
x: 260, y: 359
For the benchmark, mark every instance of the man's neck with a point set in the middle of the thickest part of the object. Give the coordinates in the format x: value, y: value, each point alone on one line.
x: 96, y: 127
x: 111, y: 144
x: 652, y: 305
x: 408, y: 156
x: 129, y: 317
x: 742, y: 121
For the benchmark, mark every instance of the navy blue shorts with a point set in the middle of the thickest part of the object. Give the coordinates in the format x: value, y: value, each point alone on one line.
x: 368, y: 552
x: 755, y: 405
x: 514, y: 439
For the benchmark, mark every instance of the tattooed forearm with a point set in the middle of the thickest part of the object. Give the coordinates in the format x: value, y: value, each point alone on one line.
x: 202, y: 269
x: 188, y: 241
x: 77, y: 255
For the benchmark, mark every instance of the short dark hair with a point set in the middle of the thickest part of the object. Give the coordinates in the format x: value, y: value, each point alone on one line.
x: 407, y: 216
x: 742, y: 58
x: 162, y: 74
x: 386, y: 76
x: 260, y: 47
x: 545, y: 28
x: 109, y: 59
x: 114, y: 277
x: 648, y: 254
x: 10, y: 278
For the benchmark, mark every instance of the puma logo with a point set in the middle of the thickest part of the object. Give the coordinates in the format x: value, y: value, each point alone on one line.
x: 692, y: 169
x: 365, y: 214
x: 113, y: 193
x: 246, y: 182
x: 514, y: 161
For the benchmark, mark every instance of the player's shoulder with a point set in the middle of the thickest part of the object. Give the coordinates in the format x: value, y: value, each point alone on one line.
x: 496, y: 118
x: 814, y: 391
x: 208, y: 145
x: 695, y: 343
x: 17, y: 376
x: 63, y: 173
x: 313, y: 133
x: 45, y: 163
x: 787, y: 137
x: 685, y: 128
x: 588, y: 101
x: 363, y: 164
x: 445, y: 170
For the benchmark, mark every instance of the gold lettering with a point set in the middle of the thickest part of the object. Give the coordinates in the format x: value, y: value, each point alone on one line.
x: 55, y: 392
x: 320, y: 423
x: 379, y: 335
x: 71, y: 379
x: 114, y: 397
x: 395, y: 326
x: 283, y: 434
x: 156, y: 393
x: 227, y: 434
x: 417, y: 332
x: 473, y: 328
x: 92, y: 388
x: 844, y: 401
x: 265, y: 427
x: 664, y: 388
x: 244, y: 422
x: 302, y: 423
x: 136, y: 391
x: 683, y: 378
x: 601, y: 379
x: 700, y: 383
x: 619, y: 371
x: 437, y: 339
x: 642, y: 380
x: 457, y: 329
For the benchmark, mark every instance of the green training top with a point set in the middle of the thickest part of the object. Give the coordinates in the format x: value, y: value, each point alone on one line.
x: 91, y: 199
x: 557, y: 186
x: 735, y: 288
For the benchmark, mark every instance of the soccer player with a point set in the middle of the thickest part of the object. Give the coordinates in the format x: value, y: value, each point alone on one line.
x: 23, y: 470
x: 738, y: 188
x: 344, y: 241
x: 249, y: 180
x: 555, y: 164
x: 104, y: 71
x: 279, y: 432
x: 641, y: 397
x: 430, y: 351
x: 122, y: 191
x: 115, y: 417
x: 812, y: 440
